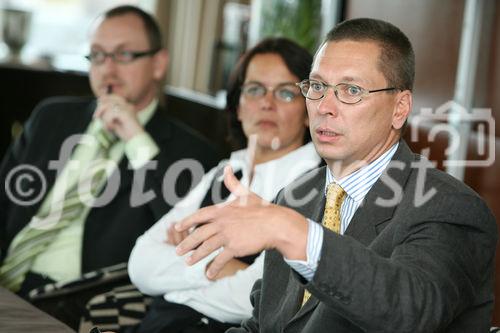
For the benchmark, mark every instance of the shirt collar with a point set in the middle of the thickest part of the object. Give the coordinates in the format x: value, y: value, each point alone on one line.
x: 359, y: 183
x: 145, y: 114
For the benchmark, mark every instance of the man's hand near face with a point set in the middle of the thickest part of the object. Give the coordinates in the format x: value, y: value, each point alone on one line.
x: 244, y: 226
x: 118, y: 116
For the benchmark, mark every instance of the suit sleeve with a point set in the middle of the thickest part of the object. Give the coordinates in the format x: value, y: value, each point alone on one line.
x: 439, y: 259
x: 9, y: 161
x: 12, y: 158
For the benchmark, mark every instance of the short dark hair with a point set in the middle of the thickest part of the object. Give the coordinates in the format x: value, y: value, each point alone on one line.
x: 397, y: 59
x: 151, y: 27
x: 298, y: 61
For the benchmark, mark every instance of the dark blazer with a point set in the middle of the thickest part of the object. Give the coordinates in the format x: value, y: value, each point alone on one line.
x: 110, y: 231
x: 417, y: 266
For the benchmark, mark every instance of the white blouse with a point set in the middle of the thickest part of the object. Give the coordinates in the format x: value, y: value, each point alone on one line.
x: 155, y: 268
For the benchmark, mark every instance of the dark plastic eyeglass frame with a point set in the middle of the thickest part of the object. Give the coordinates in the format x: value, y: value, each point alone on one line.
x: 272, y: 89
x: 135, y: 55
x: 335, y: 90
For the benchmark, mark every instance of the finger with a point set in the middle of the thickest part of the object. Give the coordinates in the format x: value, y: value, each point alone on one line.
x: 104, y: 103
x: 101, y: 107
x: 170, y: 235
x: 194, y: 239
x: 111, y: 102
x: 243, y: 194
x: 178, y: 237
x: 201, y: 216
x: 233, y: 184
x: 113, y: 98
x: 109, y: 119
x: 183, y: 236
x: 218, y: 263
x: 210, y: 245
x: 97, y: 113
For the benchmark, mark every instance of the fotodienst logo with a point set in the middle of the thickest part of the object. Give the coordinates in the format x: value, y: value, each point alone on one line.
x: 474, y: 128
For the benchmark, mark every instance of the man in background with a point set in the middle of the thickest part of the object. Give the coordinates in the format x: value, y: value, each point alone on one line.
x: 127, y: 147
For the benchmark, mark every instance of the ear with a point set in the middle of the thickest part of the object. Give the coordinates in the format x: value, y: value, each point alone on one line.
x: 161, y: 60
x: 402, y: 109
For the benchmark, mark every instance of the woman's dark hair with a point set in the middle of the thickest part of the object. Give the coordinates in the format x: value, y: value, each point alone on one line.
x: 298, y: 61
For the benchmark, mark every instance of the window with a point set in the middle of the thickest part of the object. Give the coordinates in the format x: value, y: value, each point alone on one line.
x: 59, y: 29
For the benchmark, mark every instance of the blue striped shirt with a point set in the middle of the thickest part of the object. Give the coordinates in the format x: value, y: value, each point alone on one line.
x: 356, y: 185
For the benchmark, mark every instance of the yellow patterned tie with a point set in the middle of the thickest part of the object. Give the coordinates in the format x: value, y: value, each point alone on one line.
x: 331, y: 217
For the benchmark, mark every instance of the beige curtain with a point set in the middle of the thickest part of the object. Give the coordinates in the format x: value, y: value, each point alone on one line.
x: 191, y: 28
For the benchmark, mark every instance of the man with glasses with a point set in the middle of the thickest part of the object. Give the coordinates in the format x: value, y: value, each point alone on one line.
x: 376, y: 241
x: 62, y: 236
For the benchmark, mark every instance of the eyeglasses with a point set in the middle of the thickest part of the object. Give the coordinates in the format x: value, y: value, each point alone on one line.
x: 345, y: 92
x: 284, y: 92
x: 121, y: 57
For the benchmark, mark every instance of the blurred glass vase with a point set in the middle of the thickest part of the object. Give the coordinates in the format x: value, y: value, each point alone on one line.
x: 16, y: 26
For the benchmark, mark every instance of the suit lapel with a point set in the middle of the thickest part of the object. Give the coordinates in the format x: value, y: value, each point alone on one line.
x: 372, y: 212
x: 75, y: 124
x: 308, y: 194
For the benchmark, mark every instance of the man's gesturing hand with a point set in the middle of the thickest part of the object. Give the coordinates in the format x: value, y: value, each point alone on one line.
x: 246, y: 225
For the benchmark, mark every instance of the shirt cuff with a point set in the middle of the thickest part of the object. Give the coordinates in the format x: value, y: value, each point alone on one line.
x: 314, y: 245
x: 140, y: 150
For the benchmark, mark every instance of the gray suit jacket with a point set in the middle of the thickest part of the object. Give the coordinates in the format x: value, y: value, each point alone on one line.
x: 423, y: 264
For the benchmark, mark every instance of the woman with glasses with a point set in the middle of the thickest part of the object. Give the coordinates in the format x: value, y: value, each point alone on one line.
x: 267, y: 115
